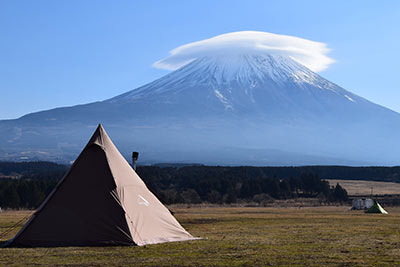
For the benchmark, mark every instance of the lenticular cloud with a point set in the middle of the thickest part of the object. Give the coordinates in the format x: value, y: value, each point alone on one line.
x: 311, y: 54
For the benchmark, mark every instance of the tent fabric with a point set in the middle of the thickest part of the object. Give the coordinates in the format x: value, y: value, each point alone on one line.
x: 100, y: 201
x: 376, y: 208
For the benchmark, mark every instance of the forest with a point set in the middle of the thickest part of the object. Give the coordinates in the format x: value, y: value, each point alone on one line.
x: 33, y: 181
x: 196, y: 184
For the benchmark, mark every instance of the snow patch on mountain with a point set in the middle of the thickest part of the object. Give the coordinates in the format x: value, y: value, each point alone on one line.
x: 223, y: 100
x: 349, y: 98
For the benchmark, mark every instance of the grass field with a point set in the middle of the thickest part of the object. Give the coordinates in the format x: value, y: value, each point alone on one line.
x: 358, y: 187
x: 318, y: 236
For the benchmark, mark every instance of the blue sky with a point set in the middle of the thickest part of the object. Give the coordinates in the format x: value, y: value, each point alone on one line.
x: 62, y: 53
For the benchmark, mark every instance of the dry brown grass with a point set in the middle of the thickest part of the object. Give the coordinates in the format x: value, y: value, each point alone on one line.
x: 237, y: 236
x: 358, y: 187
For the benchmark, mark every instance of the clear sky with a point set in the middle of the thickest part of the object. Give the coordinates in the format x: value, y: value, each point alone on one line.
x: 68, y: 52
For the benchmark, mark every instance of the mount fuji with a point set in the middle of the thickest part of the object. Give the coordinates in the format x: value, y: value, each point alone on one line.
x: 232, y: 108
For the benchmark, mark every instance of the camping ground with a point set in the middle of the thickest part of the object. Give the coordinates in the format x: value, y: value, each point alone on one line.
x: 234, y: 236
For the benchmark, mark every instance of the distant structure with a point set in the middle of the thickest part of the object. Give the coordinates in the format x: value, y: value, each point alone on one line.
x: 135, y: 156
x: 361, y: 204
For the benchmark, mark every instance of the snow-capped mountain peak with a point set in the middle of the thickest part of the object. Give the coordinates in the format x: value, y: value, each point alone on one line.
x: 221, y: 106
x: 238, y: 80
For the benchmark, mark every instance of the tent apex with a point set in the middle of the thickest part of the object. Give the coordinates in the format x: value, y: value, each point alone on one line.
x: 99, y: 136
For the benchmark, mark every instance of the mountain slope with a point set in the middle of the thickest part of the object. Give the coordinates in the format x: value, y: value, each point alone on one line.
x: 225, y: 109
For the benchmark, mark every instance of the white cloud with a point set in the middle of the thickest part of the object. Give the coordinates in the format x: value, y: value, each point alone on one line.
x: 311, y: 54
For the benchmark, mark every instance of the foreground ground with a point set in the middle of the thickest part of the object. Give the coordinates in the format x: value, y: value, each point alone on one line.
x: 317, y: 236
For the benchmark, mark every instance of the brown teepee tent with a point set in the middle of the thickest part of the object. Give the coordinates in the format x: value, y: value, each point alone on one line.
x: 100, y: 201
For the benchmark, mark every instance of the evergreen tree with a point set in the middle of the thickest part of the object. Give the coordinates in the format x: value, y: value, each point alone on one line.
x: 191, y: 196
x: 230, y: 196
x: 339, y: 194
x: 214, y: 197
x: 11, y: 198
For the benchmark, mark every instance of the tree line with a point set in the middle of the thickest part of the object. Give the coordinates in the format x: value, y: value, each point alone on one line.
x: 388, y: 174
x: 25, y: 193
x: 371, y: 173
x: 196, y: 184
x: 188, y: 184
x: 31, y: 168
